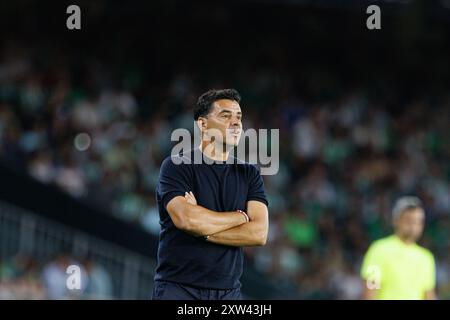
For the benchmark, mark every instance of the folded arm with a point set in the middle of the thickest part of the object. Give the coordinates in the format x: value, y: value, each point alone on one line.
x: 253, y: 233
x: 200, y: 221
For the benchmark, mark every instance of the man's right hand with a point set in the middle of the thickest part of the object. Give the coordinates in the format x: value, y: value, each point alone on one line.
x: 189, y: 196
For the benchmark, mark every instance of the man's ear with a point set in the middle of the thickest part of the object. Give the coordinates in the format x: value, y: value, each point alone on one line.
x: 395, y: 221
x: 202, y: 124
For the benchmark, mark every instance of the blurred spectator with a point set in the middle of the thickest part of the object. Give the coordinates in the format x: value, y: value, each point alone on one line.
x: 55, y: 276
x: 344, y: 157
x: 99, y: 283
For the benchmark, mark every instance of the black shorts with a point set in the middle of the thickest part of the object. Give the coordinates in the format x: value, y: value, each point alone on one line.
x: 165, y: 290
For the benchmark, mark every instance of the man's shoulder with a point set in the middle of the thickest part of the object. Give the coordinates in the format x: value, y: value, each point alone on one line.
x: 192, y: 157
x: 180, y: 158
x: 175, y: 164
x: 235, y: 160
x: 383, y: 243
x: 252, y: 170
x: 425, y: 253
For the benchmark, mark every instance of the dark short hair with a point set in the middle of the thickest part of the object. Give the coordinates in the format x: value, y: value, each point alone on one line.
x: 206, y: 100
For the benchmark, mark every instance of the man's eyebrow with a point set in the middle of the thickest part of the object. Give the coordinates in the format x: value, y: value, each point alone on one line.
x: 229, y: 111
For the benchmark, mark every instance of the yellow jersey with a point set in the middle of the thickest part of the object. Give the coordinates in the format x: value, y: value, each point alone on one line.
x: 398, y: 270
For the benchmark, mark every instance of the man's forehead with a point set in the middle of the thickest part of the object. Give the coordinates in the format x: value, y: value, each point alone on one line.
x: 226, y: 104
x: 414, y: 213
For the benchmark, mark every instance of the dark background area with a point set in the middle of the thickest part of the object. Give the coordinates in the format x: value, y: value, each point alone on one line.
x: 298, y: 65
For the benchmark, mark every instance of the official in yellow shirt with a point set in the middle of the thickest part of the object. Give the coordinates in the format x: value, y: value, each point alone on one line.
x: 396, y: 267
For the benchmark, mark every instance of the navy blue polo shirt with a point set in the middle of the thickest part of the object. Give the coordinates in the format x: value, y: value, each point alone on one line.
x: 222, y: 187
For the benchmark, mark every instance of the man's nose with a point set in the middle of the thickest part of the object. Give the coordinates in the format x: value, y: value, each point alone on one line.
x: 235, y: 121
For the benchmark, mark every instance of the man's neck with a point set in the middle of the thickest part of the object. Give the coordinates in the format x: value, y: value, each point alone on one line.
x: 405, y: 240
x: 214, y: 152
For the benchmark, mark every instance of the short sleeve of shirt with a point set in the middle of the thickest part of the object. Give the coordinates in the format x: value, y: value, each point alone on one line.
x: 372, y: 262
x: 430, y: 275
x: 174, y: 180
x: 256, y: 186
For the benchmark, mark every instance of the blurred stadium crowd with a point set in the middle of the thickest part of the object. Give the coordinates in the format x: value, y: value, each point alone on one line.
x: 346, y: 153
x: 22, y: 277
